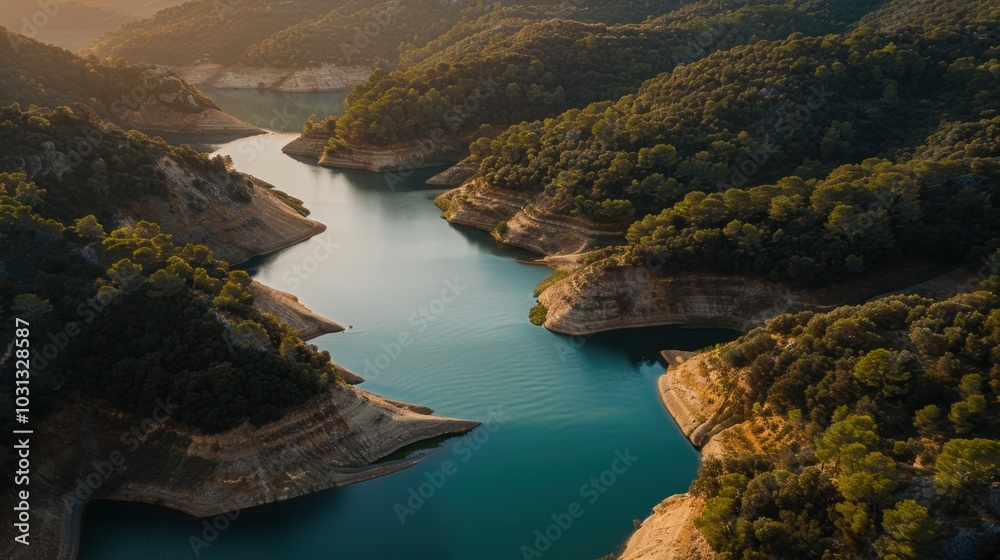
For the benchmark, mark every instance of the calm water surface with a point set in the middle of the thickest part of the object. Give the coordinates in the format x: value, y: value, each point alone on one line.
x: 391, y: 268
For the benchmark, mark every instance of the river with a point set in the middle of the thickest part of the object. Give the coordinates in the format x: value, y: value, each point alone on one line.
x: 577, y: 443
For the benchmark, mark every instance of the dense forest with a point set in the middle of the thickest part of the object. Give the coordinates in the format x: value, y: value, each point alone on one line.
x: 310, y: 32
x: 202, y: 30
x: 795, y: 159
x: 221, y: 359
x: 884, y: 426
x: 755, y: 113
x: 501, y: 71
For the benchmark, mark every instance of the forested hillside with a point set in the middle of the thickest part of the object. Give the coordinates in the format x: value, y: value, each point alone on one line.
x: 205, y: 30
x: 310, y: 32
x: 793, y: 159
x: 36, y: 73
x: 511, y: 70
x: 65, y: 261
x: 883, y: 428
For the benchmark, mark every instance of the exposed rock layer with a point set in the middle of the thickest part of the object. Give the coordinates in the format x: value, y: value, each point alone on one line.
x: 331, y: 441
x: 603, y: 297
x: 455, y: 175
x: 669, y: 533
x: 532, y: 221
x: 156, y: 118
x: 237, y: 218
x: 405, y: 156
x: 690, y: 396
x: 324, y: 78
x: 287, y: 308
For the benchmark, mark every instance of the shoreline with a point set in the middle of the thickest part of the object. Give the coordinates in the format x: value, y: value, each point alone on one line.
x: 256, y: 474
x: 325, y: 78
x: 668, y: 532
x: 402, y: 157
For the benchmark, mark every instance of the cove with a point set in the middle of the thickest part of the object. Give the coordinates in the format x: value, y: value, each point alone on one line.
x: 439, y: 318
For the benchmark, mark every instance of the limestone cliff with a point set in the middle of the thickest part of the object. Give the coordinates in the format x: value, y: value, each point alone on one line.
x: 455, y: 175
x: 156, y: 118
x: 692, y: 390
x: 669, y: 533
x: 524, y: 219
x: 404, y: 156
x: 164, y: 103
x: 287, y: 308
x: 323, y: 78
x: 605, y: 296
x: 84, y: 452
x: 306, y: 146
x: 235, y: 215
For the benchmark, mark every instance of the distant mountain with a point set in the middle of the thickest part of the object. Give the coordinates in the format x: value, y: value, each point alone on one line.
x: 74, y: 24
x: 310, y: 32
x: 132, y: 96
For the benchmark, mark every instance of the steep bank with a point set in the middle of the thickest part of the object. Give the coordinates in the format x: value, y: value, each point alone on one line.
x: 286, y: 307
x: 455, y: 175
x: 323, y: 78
x: 235, y: 215
x: 405, y: 156
x: 692, y: 398
x: 157, y: 118
x: 526, y: 220
x: 332, y: 441
x: 669, y: 533
x: 606, y: 296
x: 166, y: 103
x: 692, y: 390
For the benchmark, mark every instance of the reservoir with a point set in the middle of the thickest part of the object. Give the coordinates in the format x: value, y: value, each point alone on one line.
x: 576, y: 444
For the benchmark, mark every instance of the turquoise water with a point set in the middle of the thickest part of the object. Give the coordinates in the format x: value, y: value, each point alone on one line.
x: 561, y: 412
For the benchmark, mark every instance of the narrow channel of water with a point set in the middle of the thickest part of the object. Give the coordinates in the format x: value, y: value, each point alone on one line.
x: 564, y: 411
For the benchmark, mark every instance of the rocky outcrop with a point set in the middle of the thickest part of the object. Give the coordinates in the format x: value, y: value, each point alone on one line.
x: 306, y: 146
x: 669, y: 533
x: 455, y: 175
x: 689, y: 390
x: 324, y: 78
x: 402, y: 157
x: 157, y: 118
x: 235, y: 215
x: 82, y: 453
x: 525, y: 219
x: 607, y: 296
x: 165, y: 103
x: 287, y: 308
x: 406, y: 156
